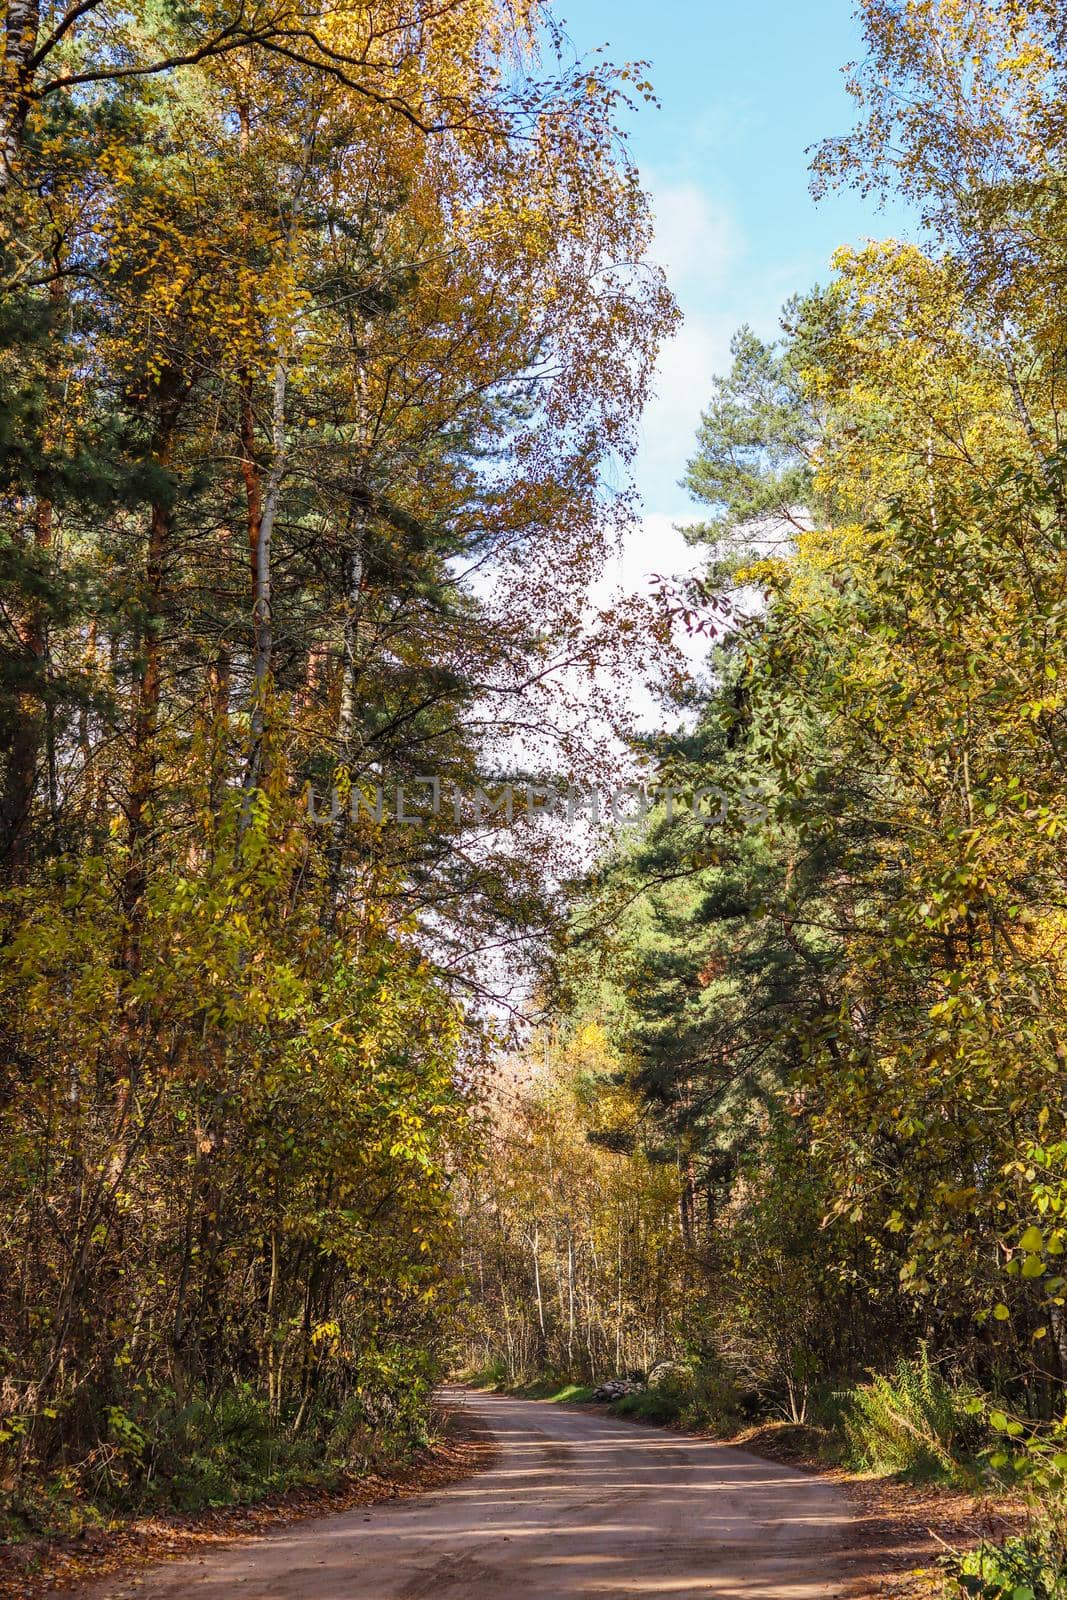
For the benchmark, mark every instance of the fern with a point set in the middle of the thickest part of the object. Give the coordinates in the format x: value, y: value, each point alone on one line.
x: 911, y: 1421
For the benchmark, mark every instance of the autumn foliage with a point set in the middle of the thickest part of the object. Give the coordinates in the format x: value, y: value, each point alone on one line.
x: 308, y: 319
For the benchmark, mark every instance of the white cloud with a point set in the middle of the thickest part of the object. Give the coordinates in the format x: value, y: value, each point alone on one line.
x: 687, y: 363
x: 696, y: 241
x: 698, y: 244
x: 652, y: 545
x: 652, y: 548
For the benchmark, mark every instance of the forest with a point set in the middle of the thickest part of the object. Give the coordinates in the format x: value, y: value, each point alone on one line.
x: 325, y: 339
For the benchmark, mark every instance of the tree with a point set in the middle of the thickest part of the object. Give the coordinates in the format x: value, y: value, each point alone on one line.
x: 296, y: 374
x: 758, y: 440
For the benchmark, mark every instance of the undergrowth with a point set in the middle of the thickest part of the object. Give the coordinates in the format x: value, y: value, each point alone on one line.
x: 702, y: 1399
x: 163, y: 1455
x: 912, y: 1422
x: 546, y: 1386
x: 1031, y: 1567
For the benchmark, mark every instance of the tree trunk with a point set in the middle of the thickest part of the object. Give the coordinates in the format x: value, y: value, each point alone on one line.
x: 144, y: 753
x: 1034, y: 439
x: 28, y: 733
x: 262, y: 512
x: 21, y: 25
x: 146, y: 715
x: 346, y: 712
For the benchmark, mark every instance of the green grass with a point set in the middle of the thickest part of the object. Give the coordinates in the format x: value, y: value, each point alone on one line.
x: 549, y: 1386
x: 648, y: 1405
x: 574, y: 1393
x: 558, y: 1390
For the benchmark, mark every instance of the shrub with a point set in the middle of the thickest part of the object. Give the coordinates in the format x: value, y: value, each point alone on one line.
x: 493, y: 1375
x: 912, y: 1421
x: 702, y: 1398
x: 648, y: 1405
x: 212, y: 1453
x: 1029, y: 1568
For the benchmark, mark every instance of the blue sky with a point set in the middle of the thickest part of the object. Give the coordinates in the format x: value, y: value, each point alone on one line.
x: 745, y: 89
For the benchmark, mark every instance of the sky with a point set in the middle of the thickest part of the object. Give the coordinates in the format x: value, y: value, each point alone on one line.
x: 745, y: 86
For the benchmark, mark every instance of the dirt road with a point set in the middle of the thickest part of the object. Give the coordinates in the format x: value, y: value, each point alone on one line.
x: 574, y: 1506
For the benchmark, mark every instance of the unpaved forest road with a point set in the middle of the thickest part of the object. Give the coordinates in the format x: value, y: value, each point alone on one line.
x: 573, y: 1506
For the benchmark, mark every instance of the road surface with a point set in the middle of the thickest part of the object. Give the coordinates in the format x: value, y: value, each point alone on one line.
x: 574, y: 1505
